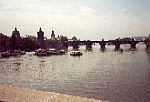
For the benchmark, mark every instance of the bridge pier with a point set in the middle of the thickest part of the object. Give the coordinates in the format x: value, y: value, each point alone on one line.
x: 65, y: 45
x: 117, y: 47
x: 133, y: 44
x: 117, y: 44
x: 102, y: 44
x: 88, y: 45
x: 75, y: 45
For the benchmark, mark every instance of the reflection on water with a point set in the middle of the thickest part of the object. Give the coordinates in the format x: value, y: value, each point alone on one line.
x: 106, y: 75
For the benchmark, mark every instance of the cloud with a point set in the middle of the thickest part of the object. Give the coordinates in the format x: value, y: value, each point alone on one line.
x: 81, y: 20
x: 123, y: 10
x: 86, y: 10
x: 20, y: 5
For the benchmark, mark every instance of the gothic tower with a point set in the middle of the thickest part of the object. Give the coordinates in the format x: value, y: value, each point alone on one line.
x: 40, y: 37
x: 53, y: 35
x: 16, y: 39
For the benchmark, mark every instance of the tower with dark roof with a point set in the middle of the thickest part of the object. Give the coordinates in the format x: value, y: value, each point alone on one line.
x: 53, y: 35
x: 40, y: 37
x: 16, y: 34
x: 16, y: 39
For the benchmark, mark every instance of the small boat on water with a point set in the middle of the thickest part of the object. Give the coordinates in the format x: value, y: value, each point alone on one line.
x: 53, y: 52
x: 41, y: 52
x: 17, y: 53
x: 132, y: 49
x: 5, y: 54
x: 22, y: 52
x: 120, y: 50
x: 62, y: 51
x: 76, y: 53
x: 12, y: 53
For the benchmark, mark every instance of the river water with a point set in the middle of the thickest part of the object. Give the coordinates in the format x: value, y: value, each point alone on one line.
x: 111, y: 76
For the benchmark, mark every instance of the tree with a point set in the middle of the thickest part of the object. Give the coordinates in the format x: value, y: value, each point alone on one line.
x: 63, y: 38
x: 29, y: 43
x: 74, y: 38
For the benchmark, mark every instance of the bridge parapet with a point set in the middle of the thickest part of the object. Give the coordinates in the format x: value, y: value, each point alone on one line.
x: 103, y: 43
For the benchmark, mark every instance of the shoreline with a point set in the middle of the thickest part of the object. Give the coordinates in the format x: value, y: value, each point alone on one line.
x: 10, y: 93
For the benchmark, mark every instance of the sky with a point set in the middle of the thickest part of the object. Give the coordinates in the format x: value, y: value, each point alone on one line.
x: 85, y: 19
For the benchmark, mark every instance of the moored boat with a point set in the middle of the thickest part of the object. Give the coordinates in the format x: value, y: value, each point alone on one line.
x: 132, y: 49
x: 41, y: 52
x: 120, y: 50
x: 53, y: 52
x: 15, y: 53
x: 5, y: 54
x: 22, y: 52
x: 76, y: 53
x: 62, y: 51
x: 12, y: 53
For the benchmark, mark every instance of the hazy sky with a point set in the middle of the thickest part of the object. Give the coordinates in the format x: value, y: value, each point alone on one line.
x: 86, y: 19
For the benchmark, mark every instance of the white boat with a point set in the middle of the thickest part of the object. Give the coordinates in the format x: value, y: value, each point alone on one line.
x: 132, y: 49
x: 62, y: 51
x: 41, y: 52
x: 53, y: 52
x: 22, y: 52
x: 76, y: 53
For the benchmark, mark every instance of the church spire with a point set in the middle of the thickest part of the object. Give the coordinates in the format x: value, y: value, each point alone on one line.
x: 15, y: 29
x: 53, y: 32
x: 40, y: 37
x: 40, y: 29
x: 53, y: 35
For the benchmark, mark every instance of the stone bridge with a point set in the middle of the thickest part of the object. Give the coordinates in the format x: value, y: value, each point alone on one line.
x: 103, y: 43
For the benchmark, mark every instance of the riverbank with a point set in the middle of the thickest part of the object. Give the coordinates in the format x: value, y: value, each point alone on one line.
x: 10, y: 93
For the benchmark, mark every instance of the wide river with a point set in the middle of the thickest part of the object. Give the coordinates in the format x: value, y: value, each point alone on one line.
x: 111, y: 76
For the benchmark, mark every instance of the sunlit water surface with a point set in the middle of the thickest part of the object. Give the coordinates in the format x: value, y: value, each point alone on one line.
x: 109, y: 75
